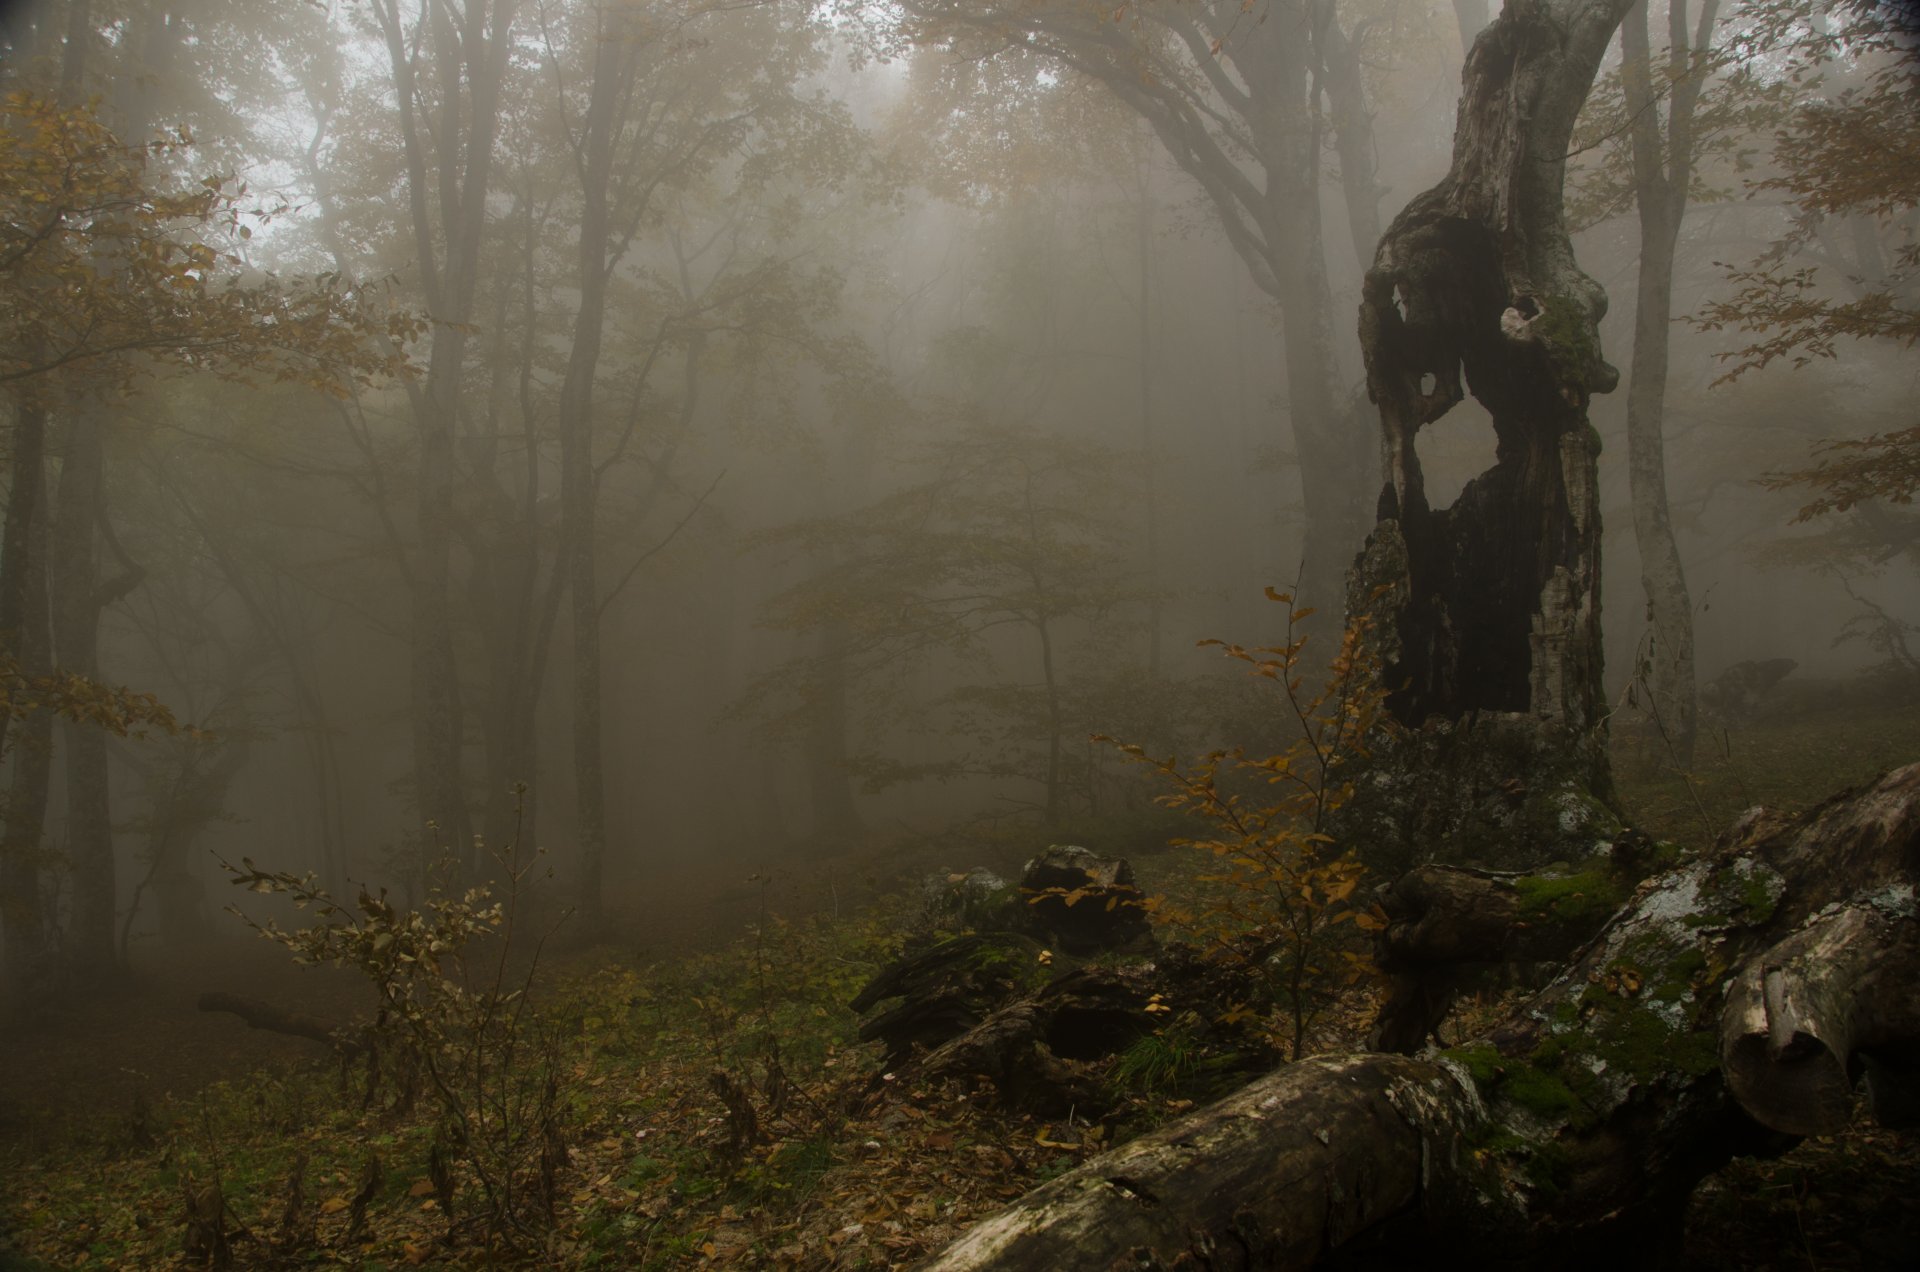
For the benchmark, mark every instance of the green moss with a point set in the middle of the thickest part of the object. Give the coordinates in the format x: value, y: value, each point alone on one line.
x: 1483, y: 1063
x: 1639, y: 1042
x: 1569, y: 335
x: 1544, y: 1165
x: 1758, y: 897
x: 1540, y: 1092
x: 1574, y: 898
x: 1682, y: 972
x: 1548, y: 1168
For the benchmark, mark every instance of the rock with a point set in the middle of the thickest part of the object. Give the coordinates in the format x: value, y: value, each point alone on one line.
x: 1084, y: 902
x: 978, y: 899
x: 1737, y: 693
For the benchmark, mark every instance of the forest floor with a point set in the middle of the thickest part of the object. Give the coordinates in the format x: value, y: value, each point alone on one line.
x: 121, y: 1115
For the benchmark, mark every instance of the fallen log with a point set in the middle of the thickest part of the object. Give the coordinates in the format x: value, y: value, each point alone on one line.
x: 1579, y: 1123
x: 264, y: 1015
x: 1446, y: 922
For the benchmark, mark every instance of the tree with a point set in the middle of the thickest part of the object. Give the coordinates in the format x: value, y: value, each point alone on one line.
x: 1491, y: 611
x: 1663, y: 165
x: 1848, y: 164
x: 1242, y: 97
x: 1013, y: 531
x: 448, y: 65
x: 114, y: 275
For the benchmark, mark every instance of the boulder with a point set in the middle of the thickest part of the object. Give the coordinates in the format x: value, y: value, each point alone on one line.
x: 1083, y: 902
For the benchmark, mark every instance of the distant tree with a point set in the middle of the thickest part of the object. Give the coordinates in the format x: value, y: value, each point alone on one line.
x: 1244, y: 98
x: 114, y: 273
x: 1847, y: 162
x: 1650, y: 136
x: 1013, y: 532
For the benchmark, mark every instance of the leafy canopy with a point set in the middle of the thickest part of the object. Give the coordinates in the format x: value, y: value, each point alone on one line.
x: 100, y: 260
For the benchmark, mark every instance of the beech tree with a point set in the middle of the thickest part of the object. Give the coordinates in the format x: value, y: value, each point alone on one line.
x: 1490, y: 609
x: 1243, y: 98
x: 118, y: 272
x: 1661, y: 123
x: 1848, y: 165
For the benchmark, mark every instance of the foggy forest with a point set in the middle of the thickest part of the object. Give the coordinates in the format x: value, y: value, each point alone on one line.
x: 1018, y: 634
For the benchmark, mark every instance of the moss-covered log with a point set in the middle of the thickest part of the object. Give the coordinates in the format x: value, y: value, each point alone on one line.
x: 1445, y: 923
x: 1579, y: 1123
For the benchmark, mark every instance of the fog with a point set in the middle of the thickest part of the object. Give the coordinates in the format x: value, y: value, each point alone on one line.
x: 757, y: 433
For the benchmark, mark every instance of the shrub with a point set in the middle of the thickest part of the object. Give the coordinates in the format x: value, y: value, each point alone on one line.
x: 1283, y: 905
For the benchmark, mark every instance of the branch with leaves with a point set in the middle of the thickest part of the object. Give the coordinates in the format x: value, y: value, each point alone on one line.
x: 1284, y: 890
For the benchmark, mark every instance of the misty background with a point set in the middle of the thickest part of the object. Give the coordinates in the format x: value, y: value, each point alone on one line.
x: 825, y: 417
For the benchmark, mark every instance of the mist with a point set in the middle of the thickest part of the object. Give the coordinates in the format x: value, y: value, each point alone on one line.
x: 755, y: 435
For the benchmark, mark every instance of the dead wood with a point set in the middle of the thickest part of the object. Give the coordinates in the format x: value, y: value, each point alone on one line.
x: 264, y: 1015
x: 1581, y: 1122
x: 1448, y: 923
x: 1029, y: 1048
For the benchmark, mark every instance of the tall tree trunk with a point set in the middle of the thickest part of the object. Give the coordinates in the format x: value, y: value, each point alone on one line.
x: 28, y: 741
x: 448, y: 164
x: 517, y: 610
x: 578, y: 484
x: 76, y: 604
x: 1662, y: 172
x: 1335, y: 459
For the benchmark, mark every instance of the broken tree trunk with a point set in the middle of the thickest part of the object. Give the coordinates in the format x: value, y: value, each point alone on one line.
x: 1583, y: 1120
x: 1489, y: 610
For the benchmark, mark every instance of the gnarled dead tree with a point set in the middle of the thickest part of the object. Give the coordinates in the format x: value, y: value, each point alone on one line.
x: 1729, y: 1003
x: 1490, y: 608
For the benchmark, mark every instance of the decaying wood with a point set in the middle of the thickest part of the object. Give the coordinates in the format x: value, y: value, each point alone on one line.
x: 1082, y: 901
x: 1027, y: 1048
x: 1447, y: 922
x: 1269, y: 1177
x: 1487, y: 612
x: 264, y: 1015
x: 946, y: 989
x: 1582, y: 1119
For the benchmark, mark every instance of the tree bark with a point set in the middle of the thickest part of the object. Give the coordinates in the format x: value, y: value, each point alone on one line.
x: 1579, y: 1123
x: 1662, y: 173
x: 578, y: 487
x: 1477, y: 276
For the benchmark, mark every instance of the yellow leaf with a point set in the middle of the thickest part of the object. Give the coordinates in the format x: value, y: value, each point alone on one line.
x: 333, y: 1205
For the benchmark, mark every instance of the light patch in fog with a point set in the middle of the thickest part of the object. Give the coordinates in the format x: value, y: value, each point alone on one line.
x: 1455, y: 449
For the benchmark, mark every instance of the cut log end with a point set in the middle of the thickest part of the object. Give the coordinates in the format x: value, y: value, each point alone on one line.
x: 1798, y: 1017
x: 1800, y: 1089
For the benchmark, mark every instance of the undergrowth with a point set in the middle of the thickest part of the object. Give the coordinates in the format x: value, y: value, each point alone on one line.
x: 719, y: 1110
